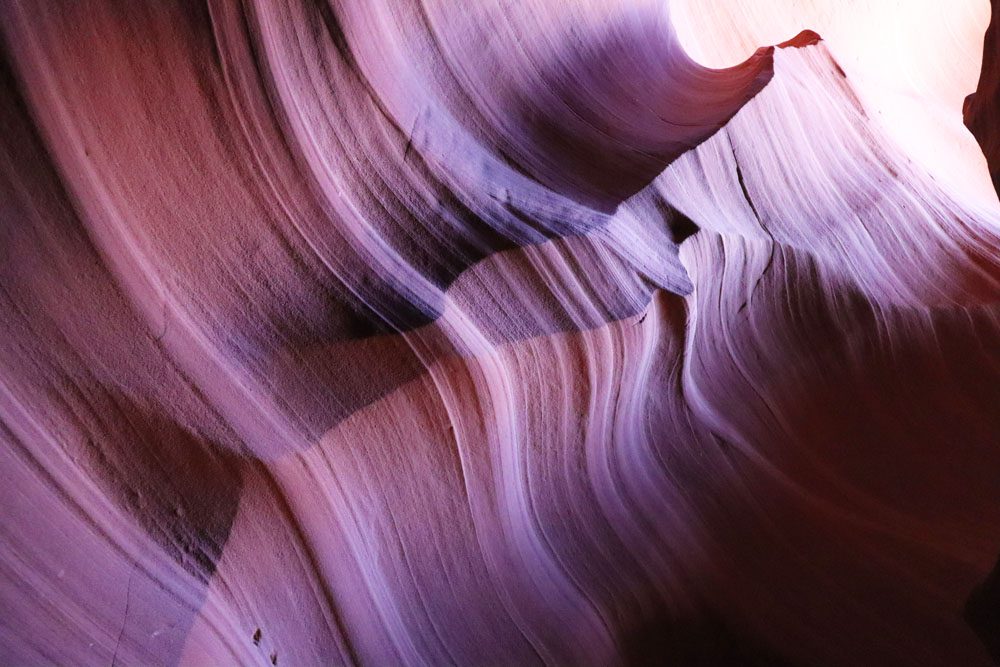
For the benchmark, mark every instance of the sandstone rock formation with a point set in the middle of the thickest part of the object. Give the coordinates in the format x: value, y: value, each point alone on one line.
x: 425, y: 332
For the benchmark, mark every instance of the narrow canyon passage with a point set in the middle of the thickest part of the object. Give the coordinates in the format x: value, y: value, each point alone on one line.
x: 513, y: 332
